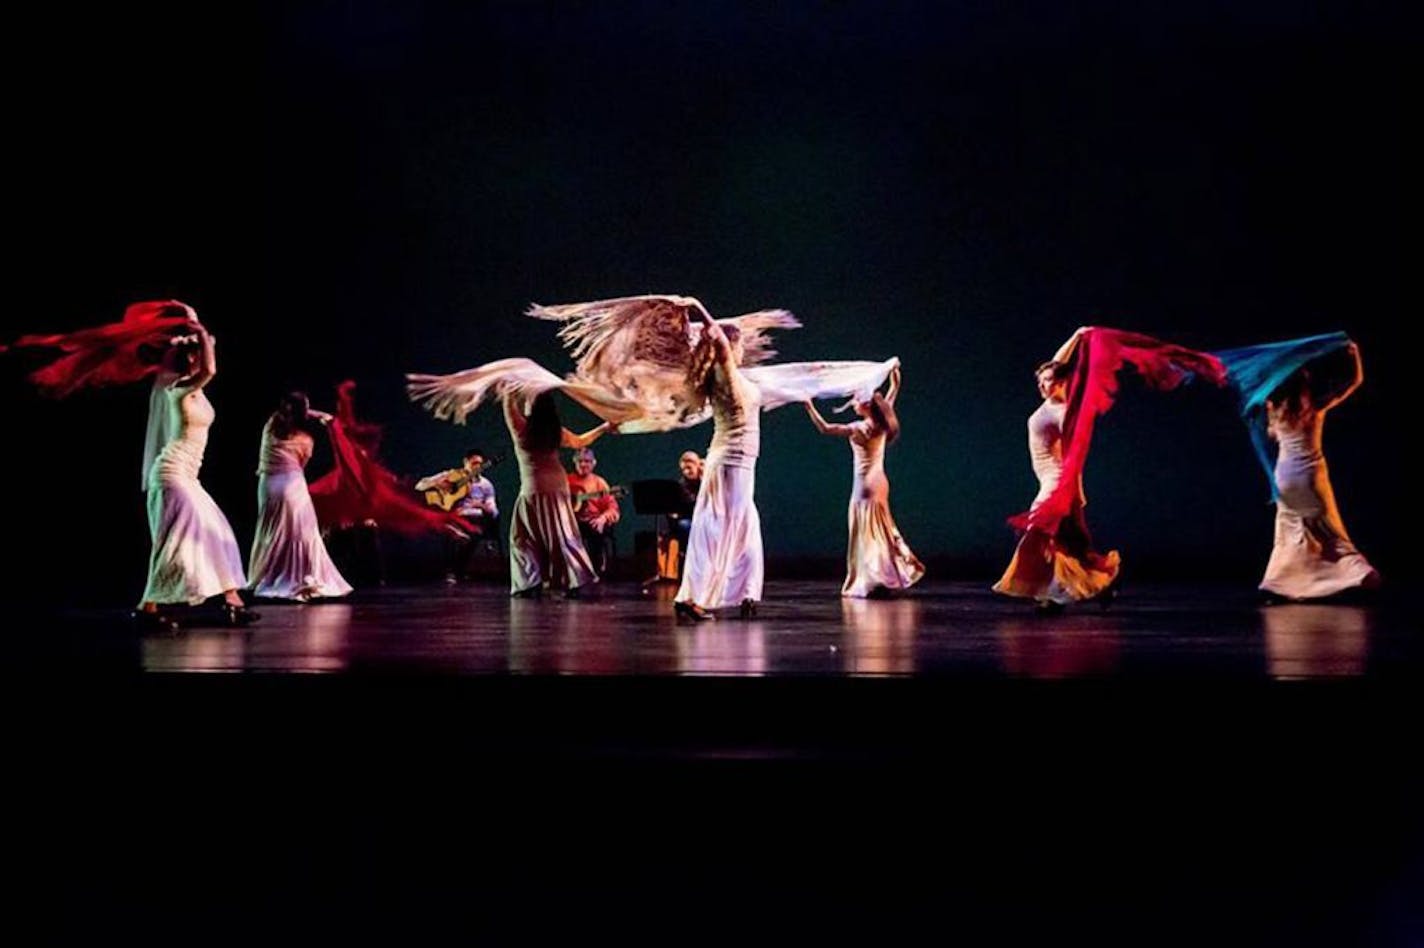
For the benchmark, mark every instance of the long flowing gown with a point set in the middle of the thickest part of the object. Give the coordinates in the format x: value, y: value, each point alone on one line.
x: 1312, y: 556
x: 195, y: 554
x: 544, y: 541
x: 289, y: 558
x: 724, y: 564
x: 877, y: 556
x: 1059, y: 567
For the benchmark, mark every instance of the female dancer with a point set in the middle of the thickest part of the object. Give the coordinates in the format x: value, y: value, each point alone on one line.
x: 289, y: 558
x: 1058, y: 567
x: 878, y: 560
x: 681, y: 366
x: 1285, y: 391
x: 544, y: 541
x: 195, y: 554
x: 724, y: 564
x: 1054, y: 563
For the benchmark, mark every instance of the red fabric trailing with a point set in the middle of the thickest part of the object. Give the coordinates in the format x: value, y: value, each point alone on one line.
x: 1092, y: 388
x: 108, y: 354
x: 366, y: 434
x: 359, y: 489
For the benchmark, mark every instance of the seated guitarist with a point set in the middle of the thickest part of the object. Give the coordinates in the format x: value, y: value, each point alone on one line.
x: 467, y: 492
x: 596, y: 514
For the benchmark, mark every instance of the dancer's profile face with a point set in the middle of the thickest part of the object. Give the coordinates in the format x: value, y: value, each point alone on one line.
x: 1048, y: 387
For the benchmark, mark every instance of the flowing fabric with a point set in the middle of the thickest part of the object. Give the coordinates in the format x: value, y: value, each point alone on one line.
x: 877, y: 556
x: 1312, y: 555
x: 108, y: 354
x: 366, y: 435
x: 1098, y: 354
x: 544, y: 541
x: 1254, y: 372
x: 359, y: 489
x: 1058, y: 567
x: 194, y: 554
x: 453, y: 397
x: 289, y: 559
x: 641, y: 348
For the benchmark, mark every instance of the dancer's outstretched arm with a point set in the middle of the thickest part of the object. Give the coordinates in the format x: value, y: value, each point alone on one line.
x: 823, y: 426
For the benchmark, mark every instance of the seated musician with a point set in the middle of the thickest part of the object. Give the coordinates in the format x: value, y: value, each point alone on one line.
x: 467, y: 492
x: 690, y: 465
x: 596, y: 514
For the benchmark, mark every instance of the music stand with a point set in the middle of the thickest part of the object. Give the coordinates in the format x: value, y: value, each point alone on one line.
x: 659, y: 499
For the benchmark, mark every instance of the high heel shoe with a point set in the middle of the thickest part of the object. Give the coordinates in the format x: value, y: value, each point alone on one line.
x: 748, y: 608
x: 692, y: 612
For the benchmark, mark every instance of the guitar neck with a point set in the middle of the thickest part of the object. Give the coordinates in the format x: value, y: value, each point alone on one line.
x: 590, y: 495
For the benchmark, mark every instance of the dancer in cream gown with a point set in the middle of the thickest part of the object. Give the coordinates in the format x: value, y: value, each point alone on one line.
x: 724, y: 565
x: 289, y: 558
x: 1062, y: 567
x: 878, y: 560
x: 681, y: 367
x: 1312, y: 556
x: 195, y: 554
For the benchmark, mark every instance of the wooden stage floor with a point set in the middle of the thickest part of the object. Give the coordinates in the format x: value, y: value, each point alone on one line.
x: 802, y: 629
x: 1185, y: 769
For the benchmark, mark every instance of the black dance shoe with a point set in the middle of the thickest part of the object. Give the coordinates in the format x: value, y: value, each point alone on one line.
x: 237, y: 616
x: 1047, y: 607
x: 533, y: 592
x: 748, y: 608
x: 692, y: 612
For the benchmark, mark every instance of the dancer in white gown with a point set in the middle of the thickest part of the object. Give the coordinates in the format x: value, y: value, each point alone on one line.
x: 878, y: 560
x: 680, y: 366
x: 1313, y: 555
x: 195, y: 554
x: 289, y: 558
x: 724, y: 564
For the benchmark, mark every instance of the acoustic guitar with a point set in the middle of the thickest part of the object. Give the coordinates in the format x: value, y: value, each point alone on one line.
x: 438, y: 496
x: 616, y: 491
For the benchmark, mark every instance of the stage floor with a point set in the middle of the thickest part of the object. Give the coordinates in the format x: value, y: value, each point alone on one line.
x: 802, y: 629
x: 529, y: 772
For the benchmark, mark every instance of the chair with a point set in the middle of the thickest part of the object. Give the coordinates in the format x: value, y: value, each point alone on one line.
x: 660, y: 499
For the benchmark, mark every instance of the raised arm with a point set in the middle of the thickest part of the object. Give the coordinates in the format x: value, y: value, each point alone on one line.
x: 1065, y: 352
x: 720, y: 344
x: 893, y: 392
x: 207, y: 361
x: 823, y: 426
x: 513, y: 416
x: 570, y: 440
x: 1359, y: 377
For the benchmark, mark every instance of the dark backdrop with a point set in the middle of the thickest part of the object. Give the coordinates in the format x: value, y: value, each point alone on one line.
x: 363, y: 189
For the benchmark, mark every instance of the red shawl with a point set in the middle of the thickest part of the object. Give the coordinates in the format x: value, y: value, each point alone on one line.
x: 359, y: 488
x: 1097, y: 357
x: 109, y: 354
